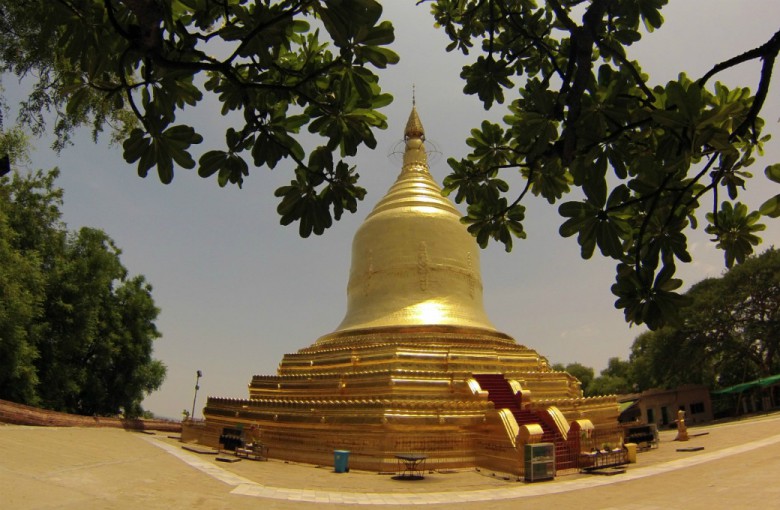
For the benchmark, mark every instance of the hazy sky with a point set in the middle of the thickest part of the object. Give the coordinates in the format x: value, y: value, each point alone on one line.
x: 238, y: 291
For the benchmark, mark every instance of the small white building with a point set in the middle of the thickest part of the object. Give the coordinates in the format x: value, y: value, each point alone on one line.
x: 659, y: 407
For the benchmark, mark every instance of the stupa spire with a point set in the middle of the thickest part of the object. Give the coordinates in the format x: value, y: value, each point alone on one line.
x: 415, y: 156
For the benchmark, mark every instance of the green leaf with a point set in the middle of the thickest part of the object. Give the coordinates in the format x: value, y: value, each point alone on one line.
x: 161, y: 150
x: 771, y: 207
x: 734, y: 229
x: 608, y: 240
x: 379, y: 35
x: 379, y: 57
x: 627, y: 37
x: 211, y: 162
x: 595, y: 185
x: 772, y: 172
x: 650, y: 11
x: 487, y: 78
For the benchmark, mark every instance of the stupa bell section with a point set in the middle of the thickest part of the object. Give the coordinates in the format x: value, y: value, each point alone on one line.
x: 413, y: 262
x: 415, y: 365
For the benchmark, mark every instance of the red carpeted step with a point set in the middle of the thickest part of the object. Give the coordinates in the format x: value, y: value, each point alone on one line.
x: 503, y: 397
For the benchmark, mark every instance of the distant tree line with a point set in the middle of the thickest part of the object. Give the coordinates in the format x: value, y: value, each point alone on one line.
x: 76, y: 331
x: 728, y: 333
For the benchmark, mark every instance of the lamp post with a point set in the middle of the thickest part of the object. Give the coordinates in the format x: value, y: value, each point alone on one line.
x: 197, y: 379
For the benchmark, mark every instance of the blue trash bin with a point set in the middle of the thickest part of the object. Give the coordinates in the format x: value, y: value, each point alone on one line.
x: 341, y: 461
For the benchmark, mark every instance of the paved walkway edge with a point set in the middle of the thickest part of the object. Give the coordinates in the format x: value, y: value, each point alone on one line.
x: 246, y: 487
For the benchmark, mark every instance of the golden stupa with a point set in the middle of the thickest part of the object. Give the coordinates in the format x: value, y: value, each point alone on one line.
x: 415, y: 365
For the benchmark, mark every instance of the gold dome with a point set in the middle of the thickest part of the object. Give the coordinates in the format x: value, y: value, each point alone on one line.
x: 413, y: 261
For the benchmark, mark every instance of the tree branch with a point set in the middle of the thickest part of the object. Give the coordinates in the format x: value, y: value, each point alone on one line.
x: 645, y: 223
x: 604, y: 47
x: 260, y: 27
x: 761, y: 93
x: 770, y: 47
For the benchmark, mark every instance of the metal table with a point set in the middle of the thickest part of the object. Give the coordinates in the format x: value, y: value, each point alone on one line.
x: 411, y: 466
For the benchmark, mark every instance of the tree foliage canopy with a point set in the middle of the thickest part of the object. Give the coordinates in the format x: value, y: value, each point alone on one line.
x: 642, y: 156
x: 616, y: 379
x: 729, y: 334
x: 581, y: 372
x: 613, y: 380
x: 275, y: 68
x: 629, y: 161
x: 76, y: 331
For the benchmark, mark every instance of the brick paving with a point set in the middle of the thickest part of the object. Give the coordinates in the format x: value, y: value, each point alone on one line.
x: 79, y: 468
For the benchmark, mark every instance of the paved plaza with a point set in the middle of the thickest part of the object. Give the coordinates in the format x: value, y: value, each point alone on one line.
x: 81, y: 468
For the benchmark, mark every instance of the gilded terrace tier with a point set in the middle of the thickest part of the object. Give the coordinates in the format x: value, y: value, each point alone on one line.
x: 390, y: 361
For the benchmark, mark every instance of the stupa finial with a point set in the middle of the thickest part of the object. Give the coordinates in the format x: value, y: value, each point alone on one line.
x: 414, y: 127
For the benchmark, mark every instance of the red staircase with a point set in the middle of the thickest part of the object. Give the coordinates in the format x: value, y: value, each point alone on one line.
x: 502, y: 396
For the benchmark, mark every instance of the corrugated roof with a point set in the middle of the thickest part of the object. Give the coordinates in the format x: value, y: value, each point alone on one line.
x: 758, y: 383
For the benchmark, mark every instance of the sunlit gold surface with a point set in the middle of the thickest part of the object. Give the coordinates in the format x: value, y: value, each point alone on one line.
x: 397, y: 375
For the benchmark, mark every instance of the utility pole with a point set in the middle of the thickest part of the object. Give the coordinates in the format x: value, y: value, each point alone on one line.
x: 197, y: 379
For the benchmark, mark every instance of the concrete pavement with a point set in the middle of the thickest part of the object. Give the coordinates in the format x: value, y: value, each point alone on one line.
x: 69, y: 468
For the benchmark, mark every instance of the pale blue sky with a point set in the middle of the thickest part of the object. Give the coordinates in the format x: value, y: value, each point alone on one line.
x: 237, y: 290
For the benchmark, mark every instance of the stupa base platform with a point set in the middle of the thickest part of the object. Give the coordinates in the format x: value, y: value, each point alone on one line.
x: 457, y: 426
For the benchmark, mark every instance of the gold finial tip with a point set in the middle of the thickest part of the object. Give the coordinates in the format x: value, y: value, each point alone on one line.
x: 414, y: 127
